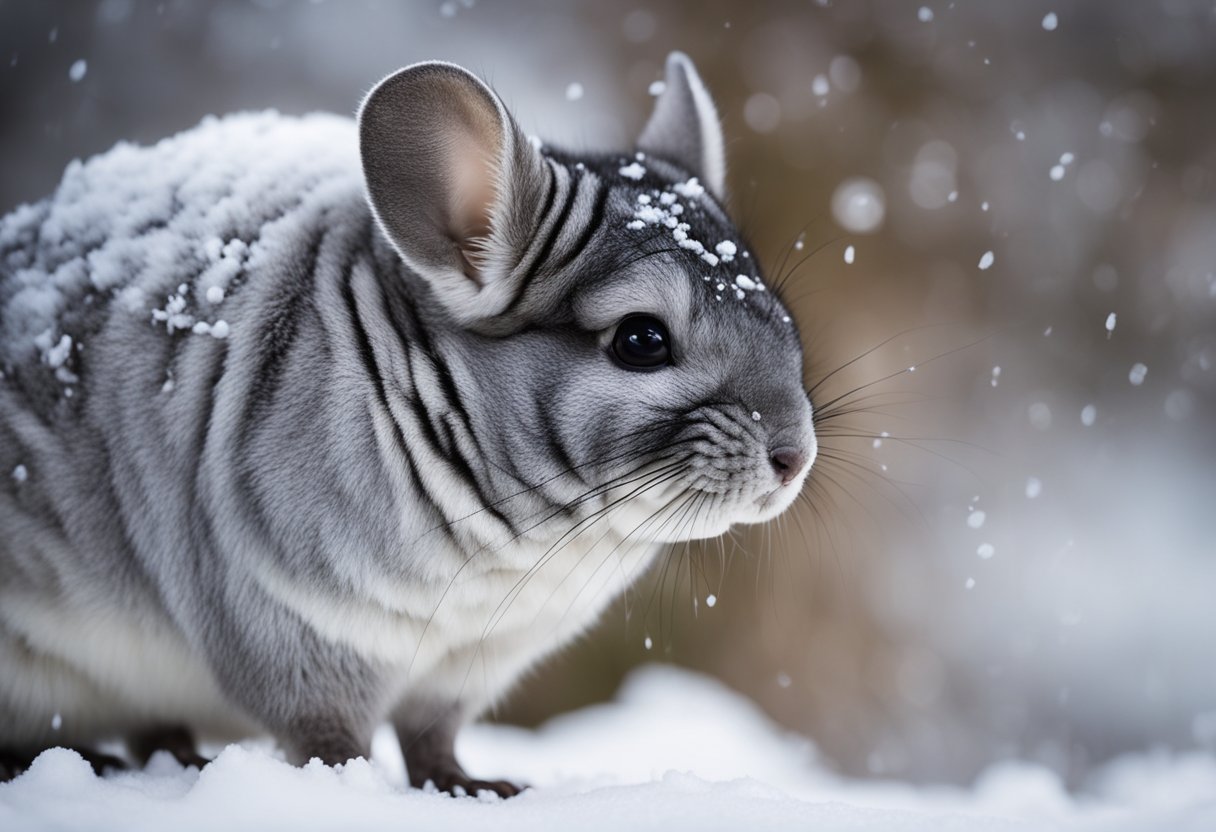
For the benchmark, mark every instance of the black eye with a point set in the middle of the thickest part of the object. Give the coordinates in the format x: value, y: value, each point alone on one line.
x: 642, y: 343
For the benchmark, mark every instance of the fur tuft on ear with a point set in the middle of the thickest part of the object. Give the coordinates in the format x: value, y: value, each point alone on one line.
x: 452, y: 181
x: 684, y: 126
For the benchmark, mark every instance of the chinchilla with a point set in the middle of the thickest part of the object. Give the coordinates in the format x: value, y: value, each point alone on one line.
x: 309, y: 424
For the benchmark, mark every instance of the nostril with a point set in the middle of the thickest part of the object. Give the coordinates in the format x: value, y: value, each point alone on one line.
x: 788, y: 462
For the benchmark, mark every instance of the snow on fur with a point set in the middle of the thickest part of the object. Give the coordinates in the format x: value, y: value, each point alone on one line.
x: 166, y: 230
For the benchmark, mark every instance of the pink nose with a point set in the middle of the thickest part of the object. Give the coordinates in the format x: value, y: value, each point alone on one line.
x: 788, y: 462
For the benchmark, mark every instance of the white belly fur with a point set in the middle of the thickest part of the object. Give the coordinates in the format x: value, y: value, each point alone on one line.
x: 102, y: 668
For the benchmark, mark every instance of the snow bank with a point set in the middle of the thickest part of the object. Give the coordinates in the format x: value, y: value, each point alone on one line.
x: 674, y: 751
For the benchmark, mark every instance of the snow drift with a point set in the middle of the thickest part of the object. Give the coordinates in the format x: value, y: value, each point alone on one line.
x: 674, y: 751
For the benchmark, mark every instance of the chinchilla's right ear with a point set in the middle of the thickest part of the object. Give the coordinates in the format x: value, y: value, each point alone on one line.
x: 455, y: 185
x: 684, y: 126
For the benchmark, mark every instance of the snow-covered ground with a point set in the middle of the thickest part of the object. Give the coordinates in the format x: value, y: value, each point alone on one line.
x: 673, y: 751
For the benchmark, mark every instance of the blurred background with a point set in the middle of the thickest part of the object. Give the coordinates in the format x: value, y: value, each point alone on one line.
x: 1007, y: 552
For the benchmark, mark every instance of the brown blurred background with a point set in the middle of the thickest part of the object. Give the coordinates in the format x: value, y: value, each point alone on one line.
x: 887, y: 618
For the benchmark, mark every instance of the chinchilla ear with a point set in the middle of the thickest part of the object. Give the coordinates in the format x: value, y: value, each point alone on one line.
x: 454, y: 184
x: 684, y: 126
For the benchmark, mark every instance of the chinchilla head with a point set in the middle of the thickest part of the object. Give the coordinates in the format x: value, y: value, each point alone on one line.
x: 601, y: 316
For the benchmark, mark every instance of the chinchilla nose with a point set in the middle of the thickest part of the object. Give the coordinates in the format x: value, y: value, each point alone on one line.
x: 788, y: 462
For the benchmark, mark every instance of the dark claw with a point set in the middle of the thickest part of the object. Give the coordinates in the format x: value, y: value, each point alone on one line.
x: 13, y: 765
x: 191, y: 758
x: 176, y: 740
x: 100, y: 762
x: 449, y: 781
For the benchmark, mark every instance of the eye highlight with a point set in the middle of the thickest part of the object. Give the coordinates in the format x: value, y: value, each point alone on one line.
x: 642, y: 343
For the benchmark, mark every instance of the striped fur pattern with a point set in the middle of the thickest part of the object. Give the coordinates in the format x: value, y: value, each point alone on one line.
x: 303, y: 426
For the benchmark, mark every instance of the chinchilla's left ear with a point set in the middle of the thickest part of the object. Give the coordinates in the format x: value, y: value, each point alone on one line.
x: 684, y: 126
x: 455, y: 185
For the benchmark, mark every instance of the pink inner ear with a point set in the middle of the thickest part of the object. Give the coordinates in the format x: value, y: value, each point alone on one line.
x: 473, y: 171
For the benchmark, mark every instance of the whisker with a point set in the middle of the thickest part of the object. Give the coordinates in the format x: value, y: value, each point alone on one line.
x: 598, y: 461
x: 514, y: 592
x: 789, y: 249
x: 781, y: 281
x: 617, y: 482
x: 650, y: 519
x: 815, y: 387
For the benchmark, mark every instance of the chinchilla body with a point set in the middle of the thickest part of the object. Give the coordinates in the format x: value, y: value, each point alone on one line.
x: 307, y: 423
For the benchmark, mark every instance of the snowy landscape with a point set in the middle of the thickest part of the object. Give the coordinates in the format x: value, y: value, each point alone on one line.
x: 673, y: 751
x: 995, y: 225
